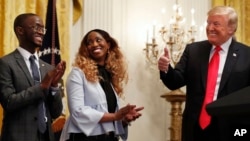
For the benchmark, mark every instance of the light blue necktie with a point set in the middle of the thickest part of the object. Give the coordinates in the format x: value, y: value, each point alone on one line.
x: 41, y: 107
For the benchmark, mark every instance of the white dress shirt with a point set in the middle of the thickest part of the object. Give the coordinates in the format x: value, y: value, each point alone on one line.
x: 223, y: 56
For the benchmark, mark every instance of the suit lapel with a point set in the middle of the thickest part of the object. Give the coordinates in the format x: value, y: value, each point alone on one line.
x: 206, y: 48
x: 21, y: 63
x: 232, y: 57
x: 42, y: 69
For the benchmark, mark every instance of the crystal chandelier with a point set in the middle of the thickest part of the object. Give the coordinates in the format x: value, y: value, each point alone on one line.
x: 174, y: 36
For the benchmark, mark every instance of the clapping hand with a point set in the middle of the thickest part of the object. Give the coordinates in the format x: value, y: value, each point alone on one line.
x: 120, y: 114
x: 54, y: 76
x: 129, y: 113
x: 60, y: 69
x: 132, y: 115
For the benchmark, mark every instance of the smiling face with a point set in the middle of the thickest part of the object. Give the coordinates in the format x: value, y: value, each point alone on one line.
x: 221, y: 24
x: 30, y: 33
x: 97, y: 47
x: 218, y: 29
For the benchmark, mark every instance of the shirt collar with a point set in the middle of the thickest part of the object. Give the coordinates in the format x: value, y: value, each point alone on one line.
x: 26, y: 55
x: 225, y: 46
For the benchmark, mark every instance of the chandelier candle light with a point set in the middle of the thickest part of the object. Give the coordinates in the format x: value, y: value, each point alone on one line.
x: 175, y: 37
x: 151, y: 48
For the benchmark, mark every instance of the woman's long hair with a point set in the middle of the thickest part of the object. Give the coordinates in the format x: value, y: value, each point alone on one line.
x: 114, y: 63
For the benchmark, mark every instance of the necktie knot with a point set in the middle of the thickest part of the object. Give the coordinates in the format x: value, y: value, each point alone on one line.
x: 217, y: 48
x: 34, y: 69
x: 32, y: 58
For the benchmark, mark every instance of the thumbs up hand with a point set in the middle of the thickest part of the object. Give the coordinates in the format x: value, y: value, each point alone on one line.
x: 164, y: 61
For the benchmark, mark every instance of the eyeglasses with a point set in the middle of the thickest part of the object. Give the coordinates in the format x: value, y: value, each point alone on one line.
x: 39, y: 29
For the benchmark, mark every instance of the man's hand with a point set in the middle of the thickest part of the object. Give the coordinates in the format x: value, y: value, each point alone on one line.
x: 164, y: 61
x: 61, y: 67
x: 53, y: 77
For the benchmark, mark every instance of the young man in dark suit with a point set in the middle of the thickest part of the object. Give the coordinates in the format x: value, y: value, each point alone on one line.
x: 232, y: 73
x: 23, y: 89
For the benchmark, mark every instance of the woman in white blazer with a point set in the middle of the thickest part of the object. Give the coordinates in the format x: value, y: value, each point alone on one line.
x: 94, y: 87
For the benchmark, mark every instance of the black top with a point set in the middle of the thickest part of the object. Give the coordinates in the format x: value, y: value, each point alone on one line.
x: 106, y: 85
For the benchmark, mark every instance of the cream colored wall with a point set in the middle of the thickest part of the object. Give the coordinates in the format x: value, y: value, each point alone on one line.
x: 127, y: 20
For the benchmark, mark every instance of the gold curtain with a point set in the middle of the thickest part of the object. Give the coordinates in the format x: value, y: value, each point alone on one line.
x: 242, y: 8
x: 9, y: 9
x: 77, y: 10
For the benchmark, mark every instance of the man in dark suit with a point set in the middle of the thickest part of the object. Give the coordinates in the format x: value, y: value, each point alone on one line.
x: 233, y: 73
x: 20, y: 93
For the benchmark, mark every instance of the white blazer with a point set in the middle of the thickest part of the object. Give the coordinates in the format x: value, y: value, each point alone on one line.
x: 87, y: 104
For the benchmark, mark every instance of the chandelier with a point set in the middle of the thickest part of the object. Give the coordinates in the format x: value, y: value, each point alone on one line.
x: 173, y: 36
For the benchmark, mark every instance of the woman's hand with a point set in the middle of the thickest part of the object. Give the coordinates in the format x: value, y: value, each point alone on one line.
x: 120, y: 114
x: 127, y: 114
x: 132, y: 115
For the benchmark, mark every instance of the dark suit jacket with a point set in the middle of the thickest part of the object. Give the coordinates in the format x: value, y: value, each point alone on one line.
x: 192, y: 71
x: 20, y: 97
